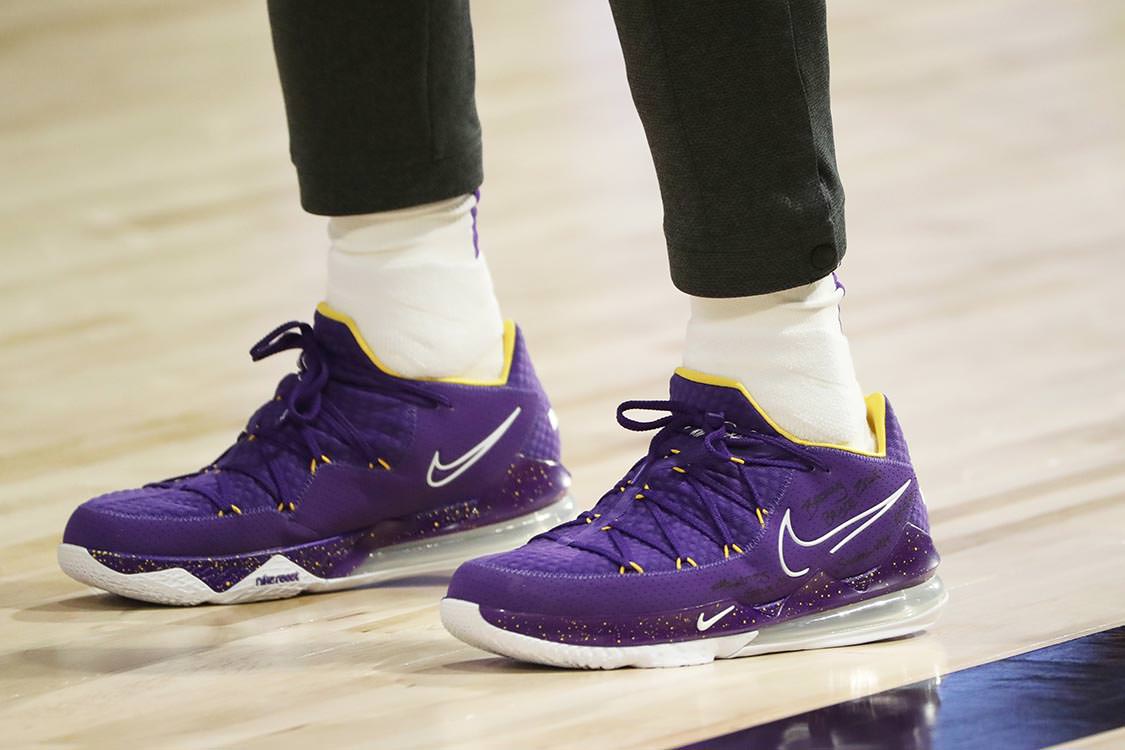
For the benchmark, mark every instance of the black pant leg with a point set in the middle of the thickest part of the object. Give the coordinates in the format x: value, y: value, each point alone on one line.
x: 380, y: 102
x: 733, y: 96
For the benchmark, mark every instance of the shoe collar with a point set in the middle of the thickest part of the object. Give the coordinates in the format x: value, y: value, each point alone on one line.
x: 330, y: 325
x: 720, y: 394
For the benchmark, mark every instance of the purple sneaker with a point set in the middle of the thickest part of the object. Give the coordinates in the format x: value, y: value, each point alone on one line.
x: 351, y: 474
x: 730, y: 538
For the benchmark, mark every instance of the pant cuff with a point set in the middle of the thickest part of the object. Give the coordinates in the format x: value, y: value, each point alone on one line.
x: 751, y: 267
x: 363, y: 189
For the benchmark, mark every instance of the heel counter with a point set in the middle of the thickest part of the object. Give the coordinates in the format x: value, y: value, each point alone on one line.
x: 919, y: 514
x: 543, y: 441
x: 917, y: 527
x: 897, y: 450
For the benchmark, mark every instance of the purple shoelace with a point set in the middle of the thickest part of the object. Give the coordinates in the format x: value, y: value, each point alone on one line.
x: 300, y: 422
x: 697, y: 465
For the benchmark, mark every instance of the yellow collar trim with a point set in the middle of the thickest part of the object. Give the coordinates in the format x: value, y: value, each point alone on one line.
x: 876, y: 413
x: 509, y: 349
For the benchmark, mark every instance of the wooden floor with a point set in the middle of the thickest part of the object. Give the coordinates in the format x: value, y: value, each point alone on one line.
x: 150, y: 232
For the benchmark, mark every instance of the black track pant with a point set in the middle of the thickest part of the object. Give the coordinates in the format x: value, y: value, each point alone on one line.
x: 733, y: 96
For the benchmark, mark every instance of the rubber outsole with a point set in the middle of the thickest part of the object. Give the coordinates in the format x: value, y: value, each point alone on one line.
x: 280, y: 578
x: 899, y: 613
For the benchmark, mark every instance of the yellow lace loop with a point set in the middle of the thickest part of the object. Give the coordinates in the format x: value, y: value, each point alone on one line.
x: 728, y: 547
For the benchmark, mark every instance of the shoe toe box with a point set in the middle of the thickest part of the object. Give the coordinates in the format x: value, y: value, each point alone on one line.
x: 539, y: 577
x: 556, y: 580
x: 166, y: 521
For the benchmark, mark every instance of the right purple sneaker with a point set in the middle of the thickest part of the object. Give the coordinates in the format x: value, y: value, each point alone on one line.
x: 350, y: 474
x: 730, y: 538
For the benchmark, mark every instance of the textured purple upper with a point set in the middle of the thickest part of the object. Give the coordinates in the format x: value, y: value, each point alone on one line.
x: 699, y: 520
x: 342, y: 447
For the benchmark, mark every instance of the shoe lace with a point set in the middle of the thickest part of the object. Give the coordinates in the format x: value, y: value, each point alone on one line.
x: 300, y: 421
x: 690, y: 485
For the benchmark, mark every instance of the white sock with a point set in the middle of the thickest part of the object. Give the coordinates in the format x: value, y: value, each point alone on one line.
x: 419, y: 291
x: 790, y: 352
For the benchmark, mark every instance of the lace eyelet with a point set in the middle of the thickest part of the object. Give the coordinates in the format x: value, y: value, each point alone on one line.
x: 313, y: 463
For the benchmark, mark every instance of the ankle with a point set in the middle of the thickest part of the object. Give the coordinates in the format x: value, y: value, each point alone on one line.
x: 419, y: 289
x: 789, y: 351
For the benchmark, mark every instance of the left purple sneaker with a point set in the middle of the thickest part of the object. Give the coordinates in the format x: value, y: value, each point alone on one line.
x: 730, y: 538
x: 349, y: 475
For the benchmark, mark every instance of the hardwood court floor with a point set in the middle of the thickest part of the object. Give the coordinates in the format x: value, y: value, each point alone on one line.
x: 150, y: 233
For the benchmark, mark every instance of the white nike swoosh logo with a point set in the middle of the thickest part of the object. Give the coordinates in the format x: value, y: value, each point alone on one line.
x: 872, y: 514
x: 464, y: 462
x: 705, y: 623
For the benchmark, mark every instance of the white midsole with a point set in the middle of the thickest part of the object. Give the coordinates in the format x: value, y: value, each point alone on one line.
x: 179, y: 587
x: 888, y: 616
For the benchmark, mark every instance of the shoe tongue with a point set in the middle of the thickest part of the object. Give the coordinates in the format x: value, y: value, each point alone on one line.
x: 720, y: 396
